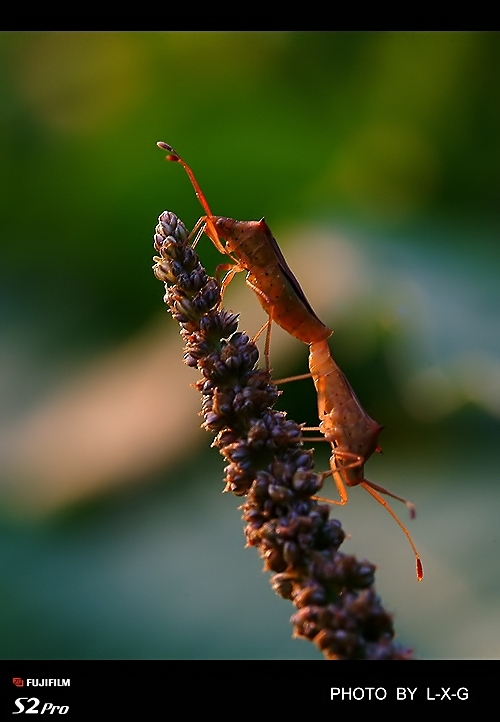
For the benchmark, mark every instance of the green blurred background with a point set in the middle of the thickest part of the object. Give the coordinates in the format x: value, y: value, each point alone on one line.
x: 375, y: 158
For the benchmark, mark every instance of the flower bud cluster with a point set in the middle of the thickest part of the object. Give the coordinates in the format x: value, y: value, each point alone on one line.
x: 333, y: 592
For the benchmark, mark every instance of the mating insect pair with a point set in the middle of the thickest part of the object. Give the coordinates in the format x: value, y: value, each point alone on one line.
x: 352, y: 434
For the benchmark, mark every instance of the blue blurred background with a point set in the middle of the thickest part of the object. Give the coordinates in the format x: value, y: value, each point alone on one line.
x: 375, y: 158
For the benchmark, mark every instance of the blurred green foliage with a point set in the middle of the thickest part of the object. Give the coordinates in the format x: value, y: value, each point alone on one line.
x: 391, y: 129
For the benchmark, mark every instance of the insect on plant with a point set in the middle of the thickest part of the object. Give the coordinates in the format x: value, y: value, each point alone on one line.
x: 252, y: 248
x: 344, y: 423
x: 352, y: 434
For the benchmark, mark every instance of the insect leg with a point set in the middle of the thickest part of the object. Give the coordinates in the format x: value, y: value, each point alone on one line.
x: 297, y: 378
x: 339, y: 483
x: 359, y: 461
x: 197, y: 231
x: 232, y: 269
x: 267, y: 345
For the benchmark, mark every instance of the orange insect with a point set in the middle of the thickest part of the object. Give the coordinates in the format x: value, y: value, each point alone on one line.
x: 351, y: 432
x: 253, y: 248
x: 343, y: 421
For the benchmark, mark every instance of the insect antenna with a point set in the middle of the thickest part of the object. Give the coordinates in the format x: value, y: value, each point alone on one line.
x: 208, y: 220
x: 368, y: 486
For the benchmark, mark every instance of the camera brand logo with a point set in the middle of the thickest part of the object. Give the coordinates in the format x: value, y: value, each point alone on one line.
x: 19, y: 682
